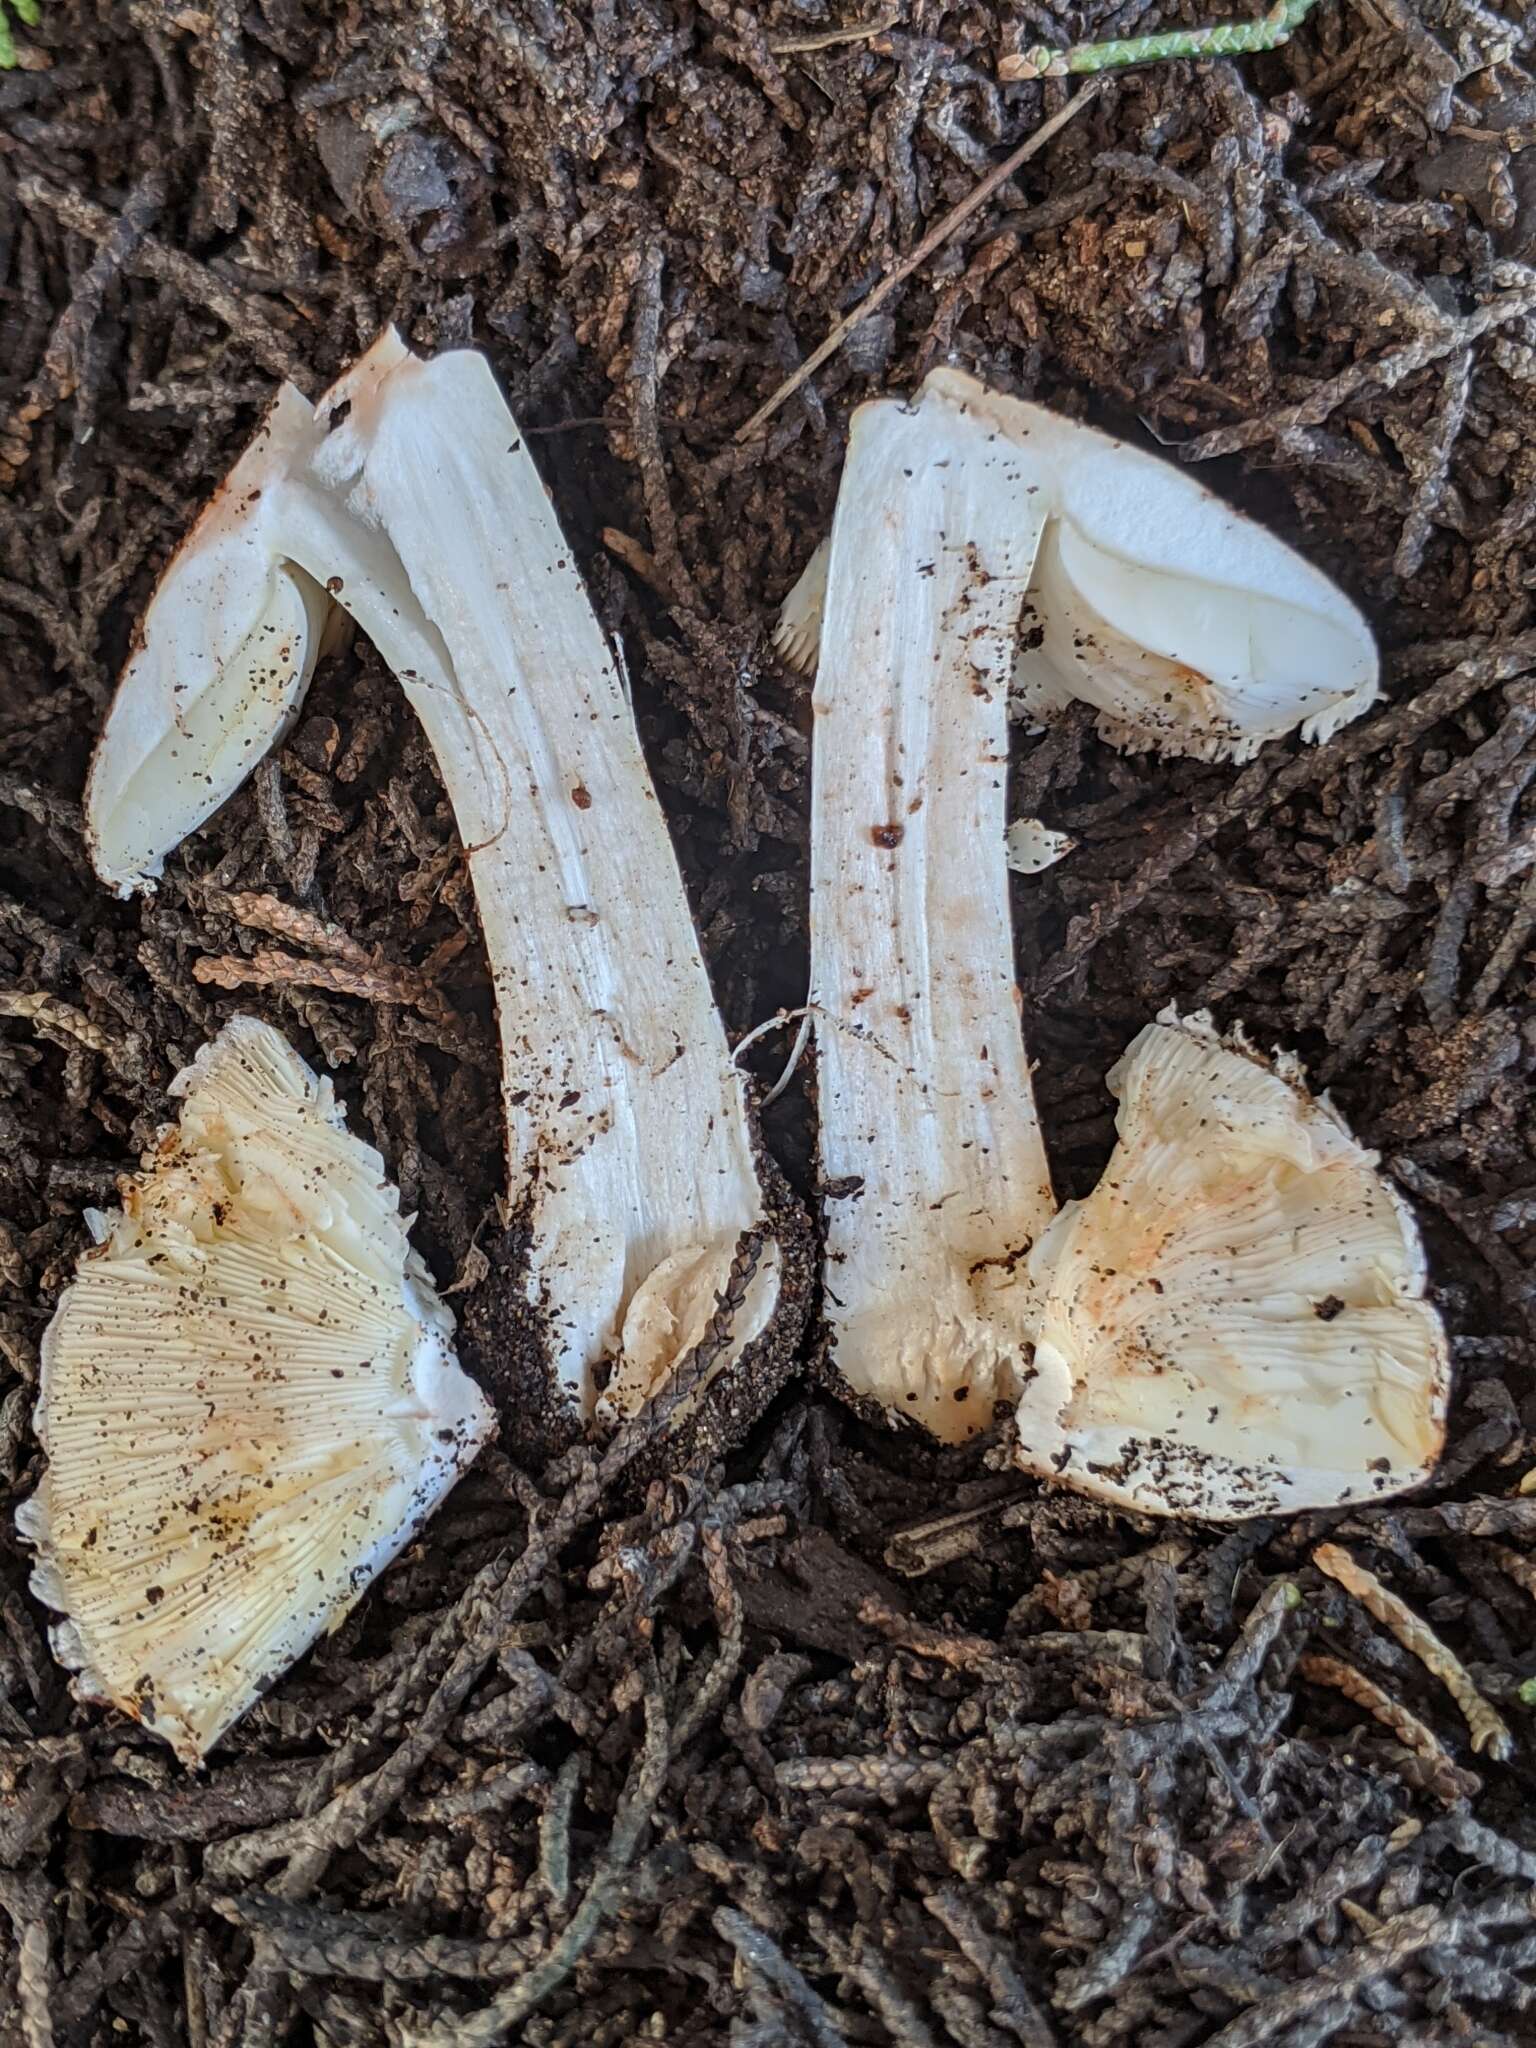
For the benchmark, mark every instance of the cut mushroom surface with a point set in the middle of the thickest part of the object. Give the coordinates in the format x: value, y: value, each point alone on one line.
x: 249, y: 1400
x: 408, y: 497
x: 925, y: 1105
x: 1234, y: 1322
x: 224, y: 658
x: 1189, y: 627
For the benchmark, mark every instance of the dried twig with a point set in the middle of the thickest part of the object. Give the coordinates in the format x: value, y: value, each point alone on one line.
x: 644, y: 384
x: 935, y: 238
x: 1015, y: 2004
x: 497, y: 2020
x: 269, y: 967
x: 1490, y: 1732
x: 1456, y: 386
x: 828, y: 38
x: 55, y: 1017
x: 61, y: 365
x: 24, y: 1896
x: 1385, y: 372
x: 1450, y: 1783
x: 149, y: 258
x: 264, y: 912
x: 639, y: 560
x: 761, y: 1954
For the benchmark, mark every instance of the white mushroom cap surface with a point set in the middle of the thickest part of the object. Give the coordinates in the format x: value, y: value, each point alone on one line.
x: 1239, y: 1306
x: 249, y: 1401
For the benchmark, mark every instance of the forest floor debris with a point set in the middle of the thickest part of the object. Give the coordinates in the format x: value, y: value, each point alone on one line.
x: 843, y: 1740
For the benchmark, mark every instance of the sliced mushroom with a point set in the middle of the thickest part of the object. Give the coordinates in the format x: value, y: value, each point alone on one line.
x: 1138, y: 1334
x: 1185, y: 624
x: 409, y: 498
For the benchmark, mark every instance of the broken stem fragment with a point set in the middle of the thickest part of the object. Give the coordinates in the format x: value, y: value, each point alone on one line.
x: 407, y: 496
x: 1490, y: 1731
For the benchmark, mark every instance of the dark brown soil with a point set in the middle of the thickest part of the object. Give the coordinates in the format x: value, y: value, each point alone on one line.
x: 759, y: 1754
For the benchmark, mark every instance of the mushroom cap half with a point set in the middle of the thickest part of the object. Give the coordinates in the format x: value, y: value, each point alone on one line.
x: 249, y: 1401
x: 220, y: 667
x: 1189, y: 627
x: 1239, y: 1305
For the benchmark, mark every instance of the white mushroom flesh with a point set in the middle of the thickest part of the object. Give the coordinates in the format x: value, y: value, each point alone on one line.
x: 225, y: 656
x: 413, y: 501
x: 249, y: 1400
x: 928, y: 1135
x: 1188, y: 626
x: 1033, y: 847
x: 1235, y: 1321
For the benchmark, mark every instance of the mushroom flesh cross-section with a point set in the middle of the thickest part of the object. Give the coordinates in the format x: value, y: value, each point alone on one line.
x: 1186, y: 626
x: 1234, y: 1321
x: 407, y: 497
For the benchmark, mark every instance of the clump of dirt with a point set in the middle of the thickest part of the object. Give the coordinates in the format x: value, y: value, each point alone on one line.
x: 842, y: 1739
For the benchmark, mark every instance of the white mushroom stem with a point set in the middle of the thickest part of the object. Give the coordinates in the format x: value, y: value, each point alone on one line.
x: 929, y: 1140
x: 410, y: 498
x: 1234, y: 1321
